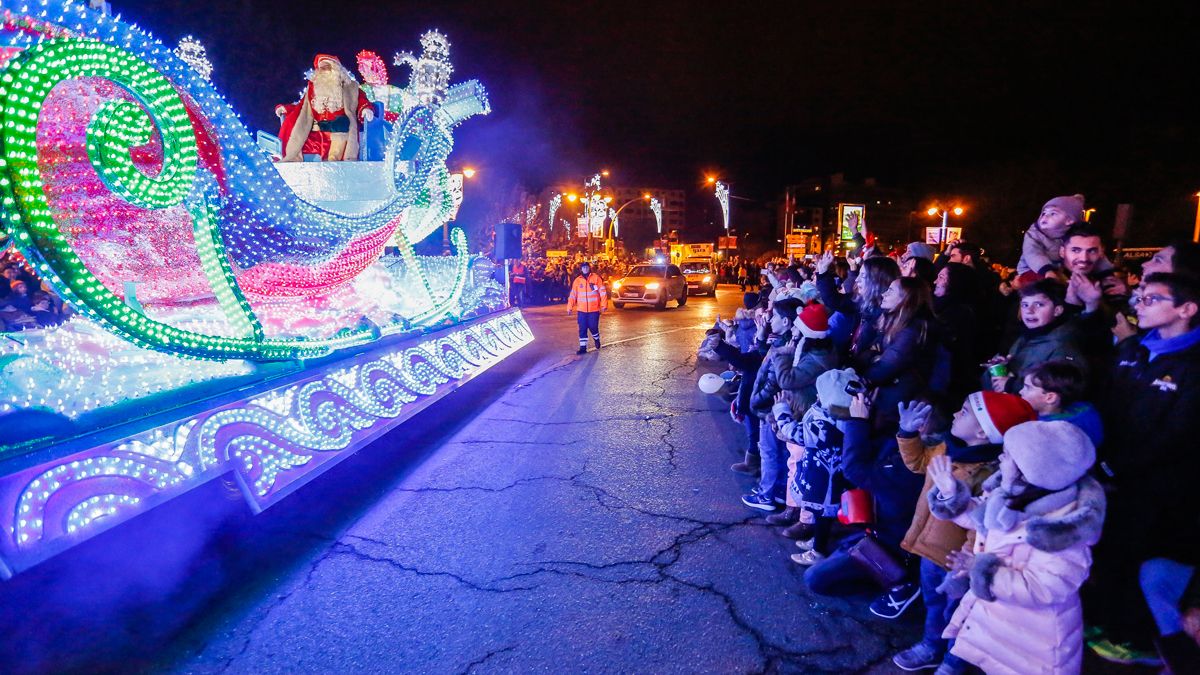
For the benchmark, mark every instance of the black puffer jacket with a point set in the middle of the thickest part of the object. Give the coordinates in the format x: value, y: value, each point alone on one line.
x: 898, y: 369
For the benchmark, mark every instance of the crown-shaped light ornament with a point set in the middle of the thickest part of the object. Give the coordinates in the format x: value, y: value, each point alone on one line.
x: 431, y: 70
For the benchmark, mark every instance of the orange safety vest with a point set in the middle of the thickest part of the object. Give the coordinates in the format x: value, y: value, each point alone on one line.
x: 585, y: 299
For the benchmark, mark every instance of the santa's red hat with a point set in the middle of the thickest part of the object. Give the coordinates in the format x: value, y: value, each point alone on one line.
x: 997, y: 413
x: 813, y: 321
x: 324, y: 57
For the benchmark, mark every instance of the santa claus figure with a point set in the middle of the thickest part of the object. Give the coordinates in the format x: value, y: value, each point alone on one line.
x: 320, y: 123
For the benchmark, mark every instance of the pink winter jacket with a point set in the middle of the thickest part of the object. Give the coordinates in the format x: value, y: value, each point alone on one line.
x: 1022, y: 614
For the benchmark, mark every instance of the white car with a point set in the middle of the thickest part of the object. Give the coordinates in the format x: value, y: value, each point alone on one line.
x: 650, y: 285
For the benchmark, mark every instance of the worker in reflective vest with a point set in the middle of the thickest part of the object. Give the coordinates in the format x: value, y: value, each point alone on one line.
x: 590, y: 297
x: 517, y: 293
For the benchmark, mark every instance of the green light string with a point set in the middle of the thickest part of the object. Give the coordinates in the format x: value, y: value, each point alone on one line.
x: 24, y: 85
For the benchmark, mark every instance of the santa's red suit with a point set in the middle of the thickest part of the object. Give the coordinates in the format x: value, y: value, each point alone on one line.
x: 332, y: 133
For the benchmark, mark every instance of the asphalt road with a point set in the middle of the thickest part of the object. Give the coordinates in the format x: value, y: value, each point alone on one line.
x: 560, y: 513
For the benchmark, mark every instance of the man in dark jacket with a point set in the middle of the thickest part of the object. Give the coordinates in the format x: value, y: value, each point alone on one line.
x: 1149, y: 462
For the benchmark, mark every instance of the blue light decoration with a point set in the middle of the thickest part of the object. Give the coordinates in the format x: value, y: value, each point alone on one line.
x: 191, y: 263
x: 254, y: 236
x: 273, y: 441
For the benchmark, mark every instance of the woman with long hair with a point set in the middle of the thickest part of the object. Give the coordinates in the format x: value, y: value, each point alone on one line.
x: 898, y: 361
x: 954, y: 292
x: 859, y: 310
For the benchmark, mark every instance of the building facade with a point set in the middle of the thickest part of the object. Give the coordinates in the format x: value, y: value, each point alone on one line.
x: 809, y: 210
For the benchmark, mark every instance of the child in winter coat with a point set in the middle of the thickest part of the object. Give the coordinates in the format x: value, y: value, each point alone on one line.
x: 972, y: 449
x: 796, y: 370
x: 1049, y: 333
x: 1035, y: 525
x: 1041, y: 248
x: 821, y: 433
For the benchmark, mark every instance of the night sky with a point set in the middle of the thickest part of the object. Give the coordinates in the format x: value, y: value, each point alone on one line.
x: 1005, y: 104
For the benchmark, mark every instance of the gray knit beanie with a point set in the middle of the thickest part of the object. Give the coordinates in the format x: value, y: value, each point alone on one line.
x: 1071, y: 205
x: 1051, y: 455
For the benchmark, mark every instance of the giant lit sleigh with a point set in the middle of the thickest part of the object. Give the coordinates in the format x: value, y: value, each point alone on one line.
x: 230, y: 317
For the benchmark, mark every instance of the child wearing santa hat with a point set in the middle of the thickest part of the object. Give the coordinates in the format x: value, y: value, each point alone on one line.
x: 797, y: 368
x: 971, y: 449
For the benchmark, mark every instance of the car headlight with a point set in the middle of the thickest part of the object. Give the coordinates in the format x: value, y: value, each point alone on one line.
x: 707, y: 278
x: 652, y: 286
x: 616, y: 285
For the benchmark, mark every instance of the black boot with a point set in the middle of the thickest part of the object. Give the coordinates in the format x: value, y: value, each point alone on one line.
x: 597, y: 344
x: 582, y: 349
x: 749, y: 466
x: 1179, y: 652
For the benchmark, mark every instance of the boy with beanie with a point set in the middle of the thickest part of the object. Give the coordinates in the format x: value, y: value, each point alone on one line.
x: 1035, y: 525
x: 1040, y: 250
x: 972, y: 449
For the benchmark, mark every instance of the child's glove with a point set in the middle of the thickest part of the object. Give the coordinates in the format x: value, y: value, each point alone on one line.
x: 913, y: 416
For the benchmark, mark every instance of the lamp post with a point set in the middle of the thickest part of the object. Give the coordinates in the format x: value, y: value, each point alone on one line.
x: 617, y: 214
x: 945, y: 214
x: 574, y: 199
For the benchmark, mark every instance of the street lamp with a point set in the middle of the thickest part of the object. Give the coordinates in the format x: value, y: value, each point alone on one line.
x: 617, y: 214
x: 945, y: 214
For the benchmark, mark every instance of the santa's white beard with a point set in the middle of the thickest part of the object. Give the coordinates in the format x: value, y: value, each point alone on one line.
x: 327, y: 91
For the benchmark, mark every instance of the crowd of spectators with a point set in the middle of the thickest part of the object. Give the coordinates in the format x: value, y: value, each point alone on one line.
x: 1011, y: 447
x: 25, y: 302
x: 541, y: 281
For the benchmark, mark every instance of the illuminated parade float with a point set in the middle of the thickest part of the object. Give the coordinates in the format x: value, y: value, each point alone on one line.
x: 228, y: 310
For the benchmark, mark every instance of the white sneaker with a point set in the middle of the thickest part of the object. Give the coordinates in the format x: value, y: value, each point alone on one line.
x: 809, y: 557
x: 805, y: 544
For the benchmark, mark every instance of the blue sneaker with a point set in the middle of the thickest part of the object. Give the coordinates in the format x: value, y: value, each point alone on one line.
x: 892, y: 604
x: 757, y: 500
x: 921, y: 656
